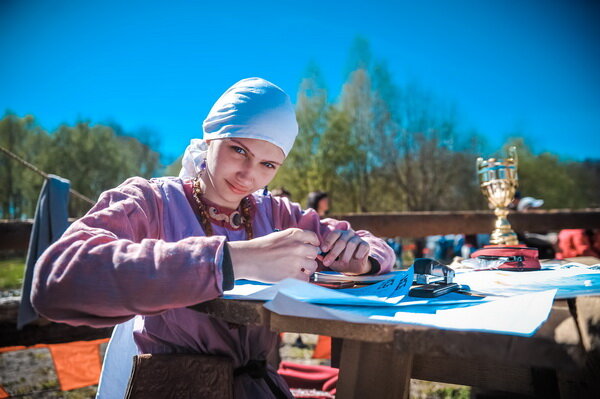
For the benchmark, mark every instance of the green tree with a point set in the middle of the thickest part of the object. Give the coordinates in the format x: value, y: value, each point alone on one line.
x: 19, y: 191
x: 174, y: 168
x: 95, y: 159
x: 560, y: 184
x: 303, y: 171
x: 380, y: 147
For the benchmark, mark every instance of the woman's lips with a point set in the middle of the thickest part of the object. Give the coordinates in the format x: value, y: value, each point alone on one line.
x: 236, y: 189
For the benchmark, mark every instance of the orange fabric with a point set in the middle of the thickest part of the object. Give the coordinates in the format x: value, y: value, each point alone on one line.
x: 77, y: 364
x: 323, y: 348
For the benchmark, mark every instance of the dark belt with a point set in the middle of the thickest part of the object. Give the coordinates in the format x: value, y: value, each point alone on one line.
x: 258, y: 369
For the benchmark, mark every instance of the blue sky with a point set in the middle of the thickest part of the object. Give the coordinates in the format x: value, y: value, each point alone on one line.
x: 529, y: 66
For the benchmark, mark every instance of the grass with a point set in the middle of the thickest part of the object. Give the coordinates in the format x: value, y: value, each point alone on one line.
x: 452, y: 393
x: 11, y: 273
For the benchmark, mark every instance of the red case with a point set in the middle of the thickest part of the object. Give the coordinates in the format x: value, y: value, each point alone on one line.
x: 517, y: 258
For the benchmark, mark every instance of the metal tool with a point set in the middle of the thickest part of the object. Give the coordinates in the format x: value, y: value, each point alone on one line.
x: 432, y: 278
x: 430, y: 270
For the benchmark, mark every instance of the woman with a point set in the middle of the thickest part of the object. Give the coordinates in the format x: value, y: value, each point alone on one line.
x: 150, y: 248
x: 319, y: 201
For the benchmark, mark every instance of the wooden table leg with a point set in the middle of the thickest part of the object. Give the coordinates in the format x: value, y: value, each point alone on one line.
x: 336, y: 351
x: 373, y: 370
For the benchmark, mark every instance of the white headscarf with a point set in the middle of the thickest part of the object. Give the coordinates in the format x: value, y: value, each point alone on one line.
x: 252, y: 108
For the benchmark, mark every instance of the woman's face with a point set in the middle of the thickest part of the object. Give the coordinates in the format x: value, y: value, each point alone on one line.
x: 323, y: 206
x: 237, y: 167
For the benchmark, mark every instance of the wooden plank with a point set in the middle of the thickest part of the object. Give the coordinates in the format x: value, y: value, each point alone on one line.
x: 475, y: 372
x: 382, y: 333
x: 14, y: 235
x: 238, y: 312
x: 41, y: 331
x: 556, y: 219
x: 373, y: 370
x: 45, y: 332
x: 421, y: 224
x: 555, y: 345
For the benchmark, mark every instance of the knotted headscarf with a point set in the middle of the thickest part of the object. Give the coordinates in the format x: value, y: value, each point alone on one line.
x: 252, y: 108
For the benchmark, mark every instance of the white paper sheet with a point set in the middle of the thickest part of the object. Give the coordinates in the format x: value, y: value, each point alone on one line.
x: 517, y: 315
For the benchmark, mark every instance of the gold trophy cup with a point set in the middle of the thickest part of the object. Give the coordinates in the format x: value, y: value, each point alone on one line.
x: 498, y: 181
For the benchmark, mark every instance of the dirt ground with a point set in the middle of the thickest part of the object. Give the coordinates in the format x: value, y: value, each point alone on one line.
x: 30, y: 373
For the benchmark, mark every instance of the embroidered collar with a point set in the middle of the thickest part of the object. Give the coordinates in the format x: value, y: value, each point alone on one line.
x: 229, y: 218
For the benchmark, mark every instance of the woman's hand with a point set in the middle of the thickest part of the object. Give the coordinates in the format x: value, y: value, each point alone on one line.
x: 274, y: 257
x: 347, y: 252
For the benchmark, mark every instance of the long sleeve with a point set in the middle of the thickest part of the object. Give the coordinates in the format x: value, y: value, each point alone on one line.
x: 288, y: 214
x: 112, y: 264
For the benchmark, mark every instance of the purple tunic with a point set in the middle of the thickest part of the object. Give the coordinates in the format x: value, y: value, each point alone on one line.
x: 141, y: 251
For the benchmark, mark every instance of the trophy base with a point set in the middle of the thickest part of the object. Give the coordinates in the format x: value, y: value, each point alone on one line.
x: 504, y: 238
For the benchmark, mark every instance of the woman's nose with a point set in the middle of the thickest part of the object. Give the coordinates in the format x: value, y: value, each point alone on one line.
x: 245, y: 175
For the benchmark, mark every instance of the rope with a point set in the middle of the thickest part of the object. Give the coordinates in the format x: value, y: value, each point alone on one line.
x: 43, y: 174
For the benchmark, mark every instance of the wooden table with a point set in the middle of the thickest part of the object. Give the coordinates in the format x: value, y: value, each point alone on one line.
x: 378, y: 360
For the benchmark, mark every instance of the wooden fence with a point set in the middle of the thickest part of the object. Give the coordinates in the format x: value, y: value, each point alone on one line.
x: 14, y: 235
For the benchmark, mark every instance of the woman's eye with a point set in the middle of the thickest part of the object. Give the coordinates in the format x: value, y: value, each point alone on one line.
x: 239, y: 150
x: 269, y: 165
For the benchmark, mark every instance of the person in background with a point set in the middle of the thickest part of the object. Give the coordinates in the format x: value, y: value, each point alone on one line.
x: 319, y: 201
x: 469, y: 246
x: 444, y: 248
x: 578, y: 242
x: 523, y: 204
x: 544, y: 242
x: 396, y: 245
x: 515, y: 201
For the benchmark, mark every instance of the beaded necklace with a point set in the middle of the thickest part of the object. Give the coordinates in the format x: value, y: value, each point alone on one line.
x: 236, y: 219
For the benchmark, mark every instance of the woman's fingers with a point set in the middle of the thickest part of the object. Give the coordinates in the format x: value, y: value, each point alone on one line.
x: 342, y: 238
x: 307, y: 269
x: 310, y: 267
x: 348, y: 252
x: 334, y: 252
x: 330, y: 240
x: 276, y: 256
x: 292, y: 253
x: 351, y: 247
x: 309, y: 251
x: 363, y: 250
x: 305, y: 236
